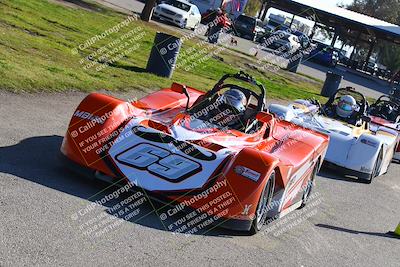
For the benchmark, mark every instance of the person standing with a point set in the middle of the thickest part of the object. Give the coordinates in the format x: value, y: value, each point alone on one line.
x: 217, y: 24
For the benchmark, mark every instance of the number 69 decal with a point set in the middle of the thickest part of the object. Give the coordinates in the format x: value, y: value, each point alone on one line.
x: 159, y: 161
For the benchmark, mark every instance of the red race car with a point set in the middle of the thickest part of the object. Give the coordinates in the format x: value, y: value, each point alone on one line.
x: 217, y: 154
x: 386, y: 111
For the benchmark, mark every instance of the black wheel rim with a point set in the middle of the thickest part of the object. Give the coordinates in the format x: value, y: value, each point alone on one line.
x: 310, y: 184
x: 265, y: 200
x: 378, y: 164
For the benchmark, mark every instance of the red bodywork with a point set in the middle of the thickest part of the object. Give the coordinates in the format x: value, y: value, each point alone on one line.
x: 288, y: 150
x: 386, y: 123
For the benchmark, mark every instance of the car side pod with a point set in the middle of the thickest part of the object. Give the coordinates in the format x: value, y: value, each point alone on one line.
x: 97, y: 118
x: 396, y: 232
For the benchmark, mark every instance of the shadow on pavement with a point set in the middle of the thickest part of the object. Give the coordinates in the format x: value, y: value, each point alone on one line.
x: 328, y: 173
x: 36, y: 159
x: 326, y: 226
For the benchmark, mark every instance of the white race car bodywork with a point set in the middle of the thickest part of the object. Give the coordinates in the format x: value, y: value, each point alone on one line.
x: 156, y: 177
x: 353, y: 148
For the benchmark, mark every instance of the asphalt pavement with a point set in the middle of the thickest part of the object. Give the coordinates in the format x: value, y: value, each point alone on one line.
x: 345, y: 224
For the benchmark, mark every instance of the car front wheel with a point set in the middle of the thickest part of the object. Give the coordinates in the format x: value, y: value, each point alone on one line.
x: 310, y: 185
x: 377, y: 168
x: 263, y: 205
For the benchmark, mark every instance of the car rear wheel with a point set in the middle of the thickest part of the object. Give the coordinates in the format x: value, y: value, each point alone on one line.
x: 263, y: 204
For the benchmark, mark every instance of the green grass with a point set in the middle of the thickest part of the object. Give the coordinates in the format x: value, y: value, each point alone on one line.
x: 37, y: 40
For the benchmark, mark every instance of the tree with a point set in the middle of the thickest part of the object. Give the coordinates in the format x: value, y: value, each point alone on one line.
x: 146, y: 12
x: 389, y: 56
x: 252, y: 7
x: 387, y: 10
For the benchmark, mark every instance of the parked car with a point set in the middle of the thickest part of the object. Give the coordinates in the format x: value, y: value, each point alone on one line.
x: 324, y: 54
x: 382, y: 72
x: 249, y: 27
x: 262, y: 38
x: 303, y: 39
x: 283, y: 41
x: 387, y: 74
x: 343, y: 58
x: 372, y: 68
x: 269, y: 28
x: 282, y: 27
x: 178, y: 12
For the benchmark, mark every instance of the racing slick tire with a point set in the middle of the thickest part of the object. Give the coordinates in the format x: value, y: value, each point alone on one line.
x: 376, y: 170
x: 310, y: 185
x: 263, y: 204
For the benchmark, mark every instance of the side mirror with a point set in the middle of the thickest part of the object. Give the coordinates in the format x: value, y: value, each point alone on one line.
x: 181, y: 89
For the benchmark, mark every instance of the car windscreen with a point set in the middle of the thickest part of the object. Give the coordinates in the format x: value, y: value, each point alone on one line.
x: 179, y: 5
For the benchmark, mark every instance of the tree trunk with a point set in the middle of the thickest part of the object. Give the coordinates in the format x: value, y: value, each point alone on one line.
x: 146, y: 12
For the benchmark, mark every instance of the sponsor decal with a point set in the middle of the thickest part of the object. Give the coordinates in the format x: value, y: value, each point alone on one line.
x: 248, y: 173
x: 161, y: 165
x: 90, y: 117
x: 246, y: 209
x: 184, y: 147
x: 159, y: 162
x: 368, y: 142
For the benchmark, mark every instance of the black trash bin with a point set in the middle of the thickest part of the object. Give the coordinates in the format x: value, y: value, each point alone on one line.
x: 163, y: 55
x: 294, y: 62
x: 332, y: 83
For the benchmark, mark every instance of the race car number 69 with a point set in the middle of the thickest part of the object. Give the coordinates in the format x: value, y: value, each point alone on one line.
x: 159, y: 161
